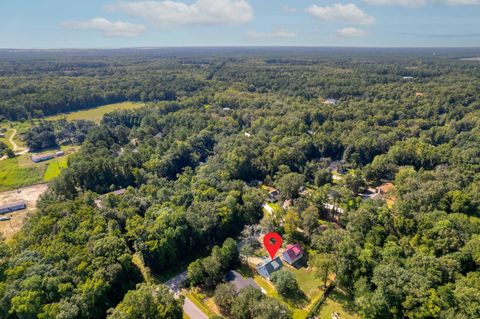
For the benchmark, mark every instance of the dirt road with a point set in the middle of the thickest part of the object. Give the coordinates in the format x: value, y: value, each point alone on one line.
x: 16, y: 149
x: 30, y: 195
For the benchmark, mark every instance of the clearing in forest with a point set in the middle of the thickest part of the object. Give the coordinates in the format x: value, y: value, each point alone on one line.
x: 28, y: 194
x: 96, y: 114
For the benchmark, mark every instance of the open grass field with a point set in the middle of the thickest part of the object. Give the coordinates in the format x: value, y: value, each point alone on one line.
x: 55, y: 168
x: 96, y: 114
x: 14, y: 175
x: 20, y: 171
x: 6, y: 139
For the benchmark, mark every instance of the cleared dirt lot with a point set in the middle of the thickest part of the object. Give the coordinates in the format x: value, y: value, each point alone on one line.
x: 30, y: 195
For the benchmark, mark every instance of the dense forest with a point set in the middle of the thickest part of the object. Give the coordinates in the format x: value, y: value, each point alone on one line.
x: 214, y: 128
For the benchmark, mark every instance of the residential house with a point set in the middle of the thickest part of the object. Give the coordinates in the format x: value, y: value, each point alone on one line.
x: 12, y: 207
x: 293, y: 253
x: 267, y: 267
x: 273, y: 194
x: 99, y: 201
x: 379, y: 192
x: 337, y: 166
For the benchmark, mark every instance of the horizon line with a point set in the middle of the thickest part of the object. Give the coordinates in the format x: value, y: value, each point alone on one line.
x: 234, y: 47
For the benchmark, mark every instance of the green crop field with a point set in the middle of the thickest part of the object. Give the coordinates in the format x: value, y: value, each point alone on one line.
x: 13, y: 175
x: 54, y: 168
x: 96, y: 114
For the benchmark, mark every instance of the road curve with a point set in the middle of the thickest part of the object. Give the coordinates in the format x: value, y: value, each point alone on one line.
x: 192, y: 311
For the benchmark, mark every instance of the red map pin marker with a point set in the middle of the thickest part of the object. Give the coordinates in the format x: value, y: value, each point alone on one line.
x: 272, y: 242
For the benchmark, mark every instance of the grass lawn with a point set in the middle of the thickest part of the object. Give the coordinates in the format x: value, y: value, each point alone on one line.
x: 21, y: 171
x: 338, y: 301
x: 13, y: 175
x: 198, y: 299
x: 307, y: 281
x: 54, y: 168
x: 5, y: 139
x: 96, y: 114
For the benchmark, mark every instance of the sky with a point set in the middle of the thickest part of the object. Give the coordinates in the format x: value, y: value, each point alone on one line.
x: 47, y: 24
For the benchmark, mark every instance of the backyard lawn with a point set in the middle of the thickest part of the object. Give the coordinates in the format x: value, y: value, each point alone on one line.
x: 338, y: 301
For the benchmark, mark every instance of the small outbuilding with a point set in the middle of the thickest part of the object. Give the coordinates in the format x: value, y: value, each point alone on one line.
x: 293, y: 253
x: 13, y: 207
x: 267, y: 267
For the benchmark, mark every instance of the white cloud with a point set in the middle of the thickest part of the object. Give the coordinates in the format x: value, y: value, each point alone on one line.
x: 288, y: 9
x: 462, y: 2
x: 405, y: 3
x: 201, y: 12
x: 350, y: 33
x: 348, y: 13
x: 279, y: 33
x: 108, y: 28
x: 421, y: 3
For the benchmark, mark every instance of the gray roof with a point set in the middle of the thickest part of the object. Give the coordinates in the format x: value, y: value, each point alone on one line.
x: 271, y: 265
x: 14, y: 204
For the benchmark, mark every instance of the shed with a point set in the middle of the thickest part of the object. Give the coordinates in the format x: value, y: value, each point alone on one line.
x: 59, y: 153
x: 293, y: 253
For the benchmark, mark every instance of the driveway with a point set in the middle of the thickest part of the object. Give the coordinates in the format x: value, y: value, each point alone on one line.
x: 239, y: 281
x: 192, y: 311
x: 175, y: 283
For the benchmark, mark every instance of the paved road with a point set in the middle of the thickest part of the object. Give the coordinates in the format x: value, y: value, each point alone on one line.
x: 192, y: 311
x: 175, y: 282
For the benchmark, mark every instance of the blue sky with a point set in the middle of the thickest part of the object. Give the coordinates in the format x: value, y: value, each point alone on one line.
x: 136, y: 23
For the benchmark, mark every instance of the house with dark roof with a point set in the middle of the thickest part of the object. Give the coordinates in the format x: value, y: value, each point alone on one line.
x: 273, y: 194
x: 267, y: 267
x: 293, y: 253
x: 337, y: 166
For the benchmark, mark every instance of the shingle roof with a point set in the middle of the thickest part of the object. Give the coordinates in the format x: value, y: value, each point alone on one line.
x: 271, y: 265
